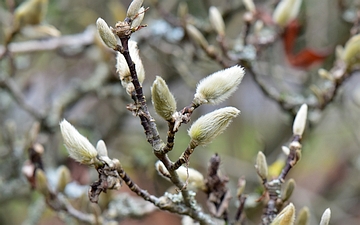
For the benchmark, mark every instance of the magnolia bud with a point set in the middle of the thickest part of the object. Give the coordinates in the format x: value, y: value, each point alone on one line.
x: 286, y: 11
x: 249, y: 5
x: 300, y: 120
x: 303, y: 217
x: 289, y: 189
x: 261, y: 166
x: 323, y: 73
x: 162, y: 99
x: 41, y: 182
x: 195, y: 180
x: 106, y: 34
x: 64, y: 178
x: 209, y: 126
x: 285, y: 150
x: 182, y: 10
x: 196, y: 35
x: 137, y: 21
x: 218, y: 86
x: 241, y: 186
x: 325, y: 218
x: 286, y: 216
x: 30, y: 12
x: 101, y: 148
x: 122, y: 67
x: 78, y: 146
x: 133, y: 9
x: 216, y: 20
x: 351, y: 53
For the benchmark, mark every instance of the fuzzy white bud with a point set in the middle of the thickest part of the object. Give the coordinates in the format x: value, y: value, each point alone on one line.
x: 137, y: 21
x: 249, y: 5
x: 351, y: 53
x: 162, y: 99
x: 261, y: 165
x: 300, y: 120
x: 122, y: 67
x: 196, y: 35
x: 106, y: 34
x: 78, y: 146
x: 286, y: 216
x: 285, y: 150
x: 195, y: 180
x: 209, y: 126
x: 216, y: 20
x: 133, y: 9
x: 286, y: 11
x: 218, y: 86
x: 325, y: 218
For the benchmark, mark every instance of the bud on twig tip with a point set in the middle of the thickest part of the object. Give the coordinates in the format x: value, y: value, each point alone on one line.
x: 300, y: 120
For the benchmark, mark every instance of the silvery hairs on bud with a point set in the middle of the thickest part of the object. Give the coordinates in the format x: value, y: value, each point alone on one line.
x: 218, y: 86
x: 162, y: 99
x: 137, y: 21
x: 106, y: 34
x: 122, y: 67
x: 78, y: 146
x: 209, y: 126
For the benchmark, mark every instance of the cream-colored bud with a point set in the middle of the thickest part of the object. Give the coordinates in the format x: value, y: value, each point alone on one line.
x: 351, y: 53
x: 195, y: 180
x: 64, y: 178
x: 30, y: 12
x: 209, y: 126
x: 216, y: 20
x: 289, y: 189
x: 78, y: 146
x: 183, y: 10
x: 41, y: 182
x: 162, y: 99
x: 101, y: 148
x: 323, y: 73
x: 261, y: 165
x: 133, y: 9
x: 285, y: 150
x: 286, y: 216
x: 196, y: 35
x: 241, y: 186
x: 122, y: 67
x: 106, y: 34
x: 286, y: 11
x: 325, y: 218
x: 303, y: 216
x: 300, y: 120
x: 137, y: 21
x: 218, y: 86
x: 249, y: 5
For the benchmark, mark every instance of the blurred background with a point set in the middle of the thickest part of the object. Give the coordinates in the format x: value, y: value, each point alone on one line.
x: 77, y: 81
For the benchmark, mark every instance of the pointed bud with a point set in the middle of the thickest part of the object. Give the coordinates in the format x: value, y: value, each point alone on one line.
x: 78, y: 146
x: 197, y: 36
x: 289, y: 189
x: 241, y: 186
x: 300, y: 120
x: 30, y: 12
x: 137, y: 21
x: 303, y: 217
x: 261, y: 166
x: 41, y: 182
x: 209, y: 126
x: 183, y: 10
x: 285, y: 150
x: 133, y: 9
x: 64, y: 178
x: 218, y: 86
x: 195, y: 180
x: 101, y: 148
x: 122, y: 67
x: 106, y: 34
x: 216, y: 20
x: 351, y: 53
x: 162, y: 99
x: 249, y: 5
x: 286, y: 216
x: 325, y: 218
x: 286, y: 11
